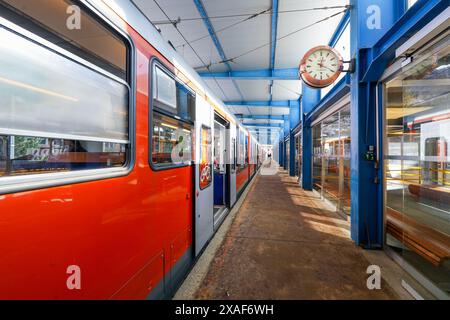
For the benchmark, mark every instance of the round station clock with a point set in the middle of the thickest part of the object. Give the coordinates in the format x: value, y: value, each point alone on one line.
x: 321, y: 66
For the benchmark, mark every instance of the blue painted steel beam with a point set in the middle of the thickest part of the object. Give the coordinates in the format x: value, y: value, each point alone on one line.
x: 261, y: 74
x: 274, y: 103
x: 412, y: 21
x: 263, y: 125
x: 366, y: 191
x: 273, y: 41
x: 259, y: 117
x: 345, y: 21
x: 212, y: 33
x: 273, y: 33
x: 310, y: 99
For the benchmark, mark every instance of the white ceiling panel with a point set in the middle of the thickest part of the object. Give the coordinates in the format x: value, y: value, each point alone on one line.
x: 291, y: 49
x: 280, y: 111
x: 244, y: 110
x: 213, y: 85
x: 246, y: 35
x: 286, y: 90
x: 247, y: 42
x: 254, y: 89
x: 231, y: 89
x: 258, y: 121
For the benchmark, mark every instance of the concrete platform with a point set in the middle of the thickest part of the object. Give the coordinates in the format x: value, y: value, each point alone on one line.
x: 284, y: 244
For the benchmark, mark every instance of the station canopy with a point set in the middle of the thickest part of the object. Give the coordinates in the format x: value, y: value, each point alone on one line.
x: 248, y: 52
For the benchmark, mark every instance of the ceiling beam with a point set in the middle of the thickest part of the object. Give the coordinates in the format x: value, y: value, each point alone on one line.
x: 340, y: 29
x: 259, y: 117
x: 263, y: 125
x: 273, y: 42
x: 273, y: 33
x: 261, y: 74
x: 202, y: 11
x: 273, y: 103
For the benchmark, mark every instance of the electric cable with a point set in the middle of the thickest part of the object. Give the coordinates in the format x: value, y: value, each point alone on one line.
x: 278, y: 39
x: 195, y: 52
x: 249, y: 14
x: 228, y: 27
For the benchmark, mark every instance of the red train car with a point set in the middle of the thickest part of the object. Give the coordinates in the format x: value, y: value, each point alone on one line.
x: 111, y: 178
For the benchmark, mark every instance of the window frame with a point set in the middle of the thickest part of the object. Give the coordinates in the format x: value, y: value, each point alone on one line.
x: 156, y: 62
x: 13, y: 184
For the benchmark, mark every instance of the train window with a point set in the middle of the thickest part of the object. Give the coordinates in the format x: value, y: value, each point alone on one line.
x: 171, y: 96
x: 242, y: 151
x: 45, y: 155
x: 3, y: 155
x: 172, y: 121
x: 185, y: 103
x: 234, y: 160
x: 45, y: 98
x: 205, y: 171
x: 164, y: 91
x: 172, y: 142
x: 68, y: 25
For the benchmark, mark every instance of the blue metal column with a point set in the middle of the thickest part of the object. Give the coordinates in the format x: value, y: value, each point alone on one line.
x: 202, y: 11
x: 281, y: 151
x: 310, y: 98
x: 370, y: 20
x: 286, y: 129
x: 294, y: 119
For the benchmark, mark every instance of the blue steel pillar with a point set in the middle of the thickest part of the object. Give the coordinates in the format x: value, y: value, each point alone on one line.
x: 280, y: 151
x: 370, y: 20
x: 310, y: 98
x: 294, y: 119
x: 286, y: 129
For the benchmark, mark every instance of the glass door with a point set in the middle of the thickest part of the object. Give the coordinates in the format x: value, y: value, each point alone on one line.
x: 417, y: 161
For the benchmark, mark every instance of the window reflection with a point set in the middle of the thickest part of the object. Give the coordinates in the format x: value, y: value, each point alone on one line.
x: 418, y: 166
x: 242, y: 151
x: 21, y: 155
x: 331, y: 159
x: 172, y: 142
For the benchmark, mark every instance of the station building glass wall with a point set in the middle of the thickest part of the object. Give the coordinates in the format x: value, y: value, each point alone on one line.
x: 287, y: 145
x: 331, y: 159
x: 298, y: 155
x: 417, y: 164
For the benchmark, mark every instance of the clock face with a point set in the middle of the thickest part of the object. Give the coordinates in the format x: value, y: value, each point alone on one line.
x: 321, y: 66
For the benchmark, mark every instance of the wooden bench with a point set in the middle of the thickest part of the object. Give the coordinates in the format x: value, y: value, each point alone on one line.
x: 434, y: 193
x: 431, y: 244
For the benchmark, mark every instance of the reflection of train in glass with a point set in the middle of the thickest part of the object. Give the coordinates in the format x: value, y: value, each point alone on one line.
x: 419, y: 196
x: 106, y: 155
x: 433, y: 163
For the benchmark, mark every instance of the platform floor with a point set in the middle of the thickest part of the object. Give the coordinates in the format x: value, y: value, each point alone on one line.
x: 285, y: 244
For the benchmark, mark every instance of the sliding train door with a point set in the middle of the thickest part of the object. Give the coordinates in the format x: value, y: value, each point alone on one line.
x: 204, y: 195
x: 232, y: 158
x: 221, y: 170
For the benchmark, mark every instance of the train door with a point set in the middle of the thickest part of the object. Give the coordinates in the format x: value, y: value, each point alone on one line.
x: 232, y: 160
x: 221, y: 173
x: 204, y: 195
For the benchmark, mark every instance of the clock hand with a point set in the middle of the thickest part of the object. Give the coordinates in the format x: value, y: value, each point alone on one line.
x: 328, y: 68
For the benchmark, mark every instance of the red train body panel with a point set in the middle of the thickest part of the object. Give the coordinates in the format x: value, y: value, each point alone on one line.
x: 125, y: 233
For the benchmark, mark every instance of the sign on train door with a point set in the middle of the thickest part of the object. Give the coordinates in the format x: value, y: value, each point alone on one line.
x: 232, y: 158
x: 204, y: 195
